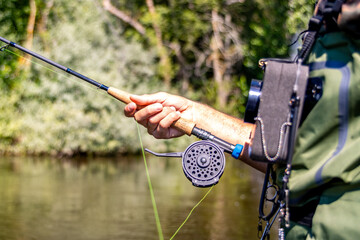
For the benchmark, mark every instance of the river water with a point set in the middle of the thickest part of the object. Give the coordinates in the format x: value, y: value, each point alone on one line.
x: 85, y: 199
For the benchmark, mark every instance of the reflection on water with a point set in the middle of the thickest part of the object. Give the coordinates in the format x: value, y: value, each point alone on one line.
x: 50, y: 199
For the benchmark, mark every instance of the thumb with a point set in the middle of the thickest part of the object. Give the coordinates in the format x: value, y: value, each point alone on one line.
x: 130, y: 109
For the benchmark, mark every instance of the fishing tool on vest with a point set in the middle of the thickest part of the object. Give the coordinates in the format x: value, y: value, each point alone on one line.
x: 207, y: 161
x: 276, y: 102
x: 277, y: 105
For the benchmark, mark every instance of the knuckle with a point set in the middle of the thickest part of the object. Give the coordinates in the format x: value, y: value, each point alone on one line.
x: 152, y: 121
x: 173, y: 116
x: 163, y: 125
x: 170, y: 110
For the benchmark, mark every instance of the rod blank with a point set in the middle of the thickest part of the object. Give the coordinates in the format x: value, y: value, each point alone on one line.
x: 182, y: 124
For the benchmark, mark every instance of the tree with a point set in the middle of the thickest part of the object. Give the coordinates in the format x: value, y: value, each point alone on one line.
x: 165, y: 67
x: 212, y: 43
x: 55, y: 115
x: 208, y: 49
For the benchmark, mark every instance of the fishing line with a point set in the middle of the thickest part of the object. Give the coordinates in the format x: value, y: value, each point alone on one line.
x: 157, y: 219
x: 188, y: 216
x: 156, y: 214
x: 158, y: 224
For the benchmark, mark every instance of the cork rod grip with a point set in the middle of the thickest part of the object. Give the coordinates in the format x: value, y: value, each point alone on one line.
x: 184, y: 126
x: 181, y: 124
x: 119, y: 95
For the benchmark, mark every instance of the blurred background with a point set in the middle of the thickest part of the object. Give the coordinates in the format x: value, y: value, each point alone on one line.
x: 61, y: 138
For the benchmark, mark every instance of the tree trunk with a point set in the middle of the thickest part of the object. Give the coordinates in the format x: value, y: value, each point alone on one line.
x: 165, y: 64
x: 185, y: 69
x: 43, y: 23
x: 29, y: 33
x: 218, y: 65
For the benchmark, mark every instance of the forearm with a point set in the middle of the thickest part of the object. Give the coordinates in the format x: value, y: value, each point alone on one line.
x: 228, y: 128
x: 160, y: 110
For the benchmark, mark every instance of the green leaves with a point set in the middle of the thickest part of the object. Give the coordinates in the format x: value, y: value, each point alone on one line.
x: 211, y: 48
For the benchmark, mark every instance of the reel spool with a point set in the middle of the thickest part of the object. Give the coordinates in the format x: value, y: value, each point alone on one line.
x: 203, y: 163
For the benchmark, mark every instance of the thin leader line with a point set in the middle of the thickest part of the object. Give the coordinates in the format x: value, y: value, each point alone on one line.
x: 156, y: 213
x: 188, y: 216
x: 157, y: 219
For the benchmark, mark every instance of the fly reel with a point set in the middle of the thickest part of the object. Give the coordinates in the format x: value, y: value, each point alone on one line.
x: 203, y: 162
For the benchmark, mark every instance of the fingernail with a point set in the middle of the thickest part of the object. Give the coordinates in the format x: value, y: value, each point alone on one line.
x: 173, y: 108
x: 130, y: 107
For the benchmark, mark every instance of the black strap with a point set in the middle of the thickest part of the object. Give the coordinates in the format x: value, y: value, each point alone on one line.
x: 304, y: 215
x: 328, y: 11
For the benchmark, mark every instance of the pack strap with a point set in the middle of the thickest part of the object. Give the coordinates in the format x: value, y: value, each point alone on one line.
x: 304, y: 215
x: 328, y: 12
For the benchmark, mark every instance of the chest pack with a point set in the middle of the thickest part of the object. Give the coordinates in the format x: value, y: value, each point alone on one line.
x: 277, y: 105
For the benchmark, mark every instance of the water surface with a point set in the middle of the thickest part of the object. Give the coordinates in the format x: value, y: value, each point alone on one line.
x: 85, y: 199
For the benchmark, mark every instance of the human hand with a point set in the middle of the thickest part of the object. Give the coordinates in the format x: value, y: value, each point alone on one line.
x: 157, y: 112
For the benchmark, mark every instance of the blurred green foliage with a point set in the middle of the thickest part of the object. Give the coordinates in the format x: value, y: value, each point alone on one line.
x: 42, y: 111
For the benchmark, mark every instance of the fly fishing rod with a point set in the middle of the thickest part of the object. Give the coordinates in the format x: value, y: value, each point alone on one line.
x: 203, y: 159
x: 182, y: 124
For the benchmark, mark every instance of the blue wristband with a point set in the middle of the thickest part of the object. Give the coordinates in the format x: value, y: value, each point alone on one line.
x: 237, y: 151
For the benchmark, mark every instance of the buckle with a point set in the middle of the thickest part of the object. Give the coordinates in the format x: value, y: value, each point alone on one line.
x: 315, y: 23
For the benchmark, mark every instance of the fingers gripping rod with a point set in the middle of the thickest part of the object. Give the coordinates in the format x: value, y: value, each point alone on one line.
x: 181, y: 124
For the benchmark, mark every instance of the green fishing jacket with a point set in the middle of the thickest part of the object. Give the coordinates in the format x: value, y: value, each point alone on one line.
x: 326, y: 162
